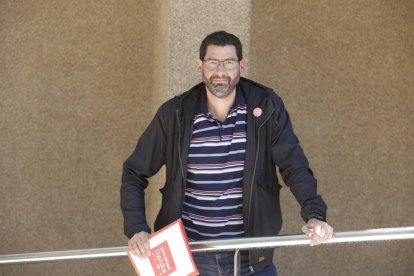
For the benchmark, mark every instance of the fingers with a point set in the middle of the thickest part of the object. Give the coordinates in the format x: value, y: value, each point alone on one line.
x: 318, y: 231
x: 139, y: 245
x: 306, y: 230
x: 315, y: 240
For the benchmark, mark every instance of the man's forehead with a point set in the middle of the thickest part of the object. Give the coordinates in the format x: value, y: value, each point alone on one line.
x: 227, y: 51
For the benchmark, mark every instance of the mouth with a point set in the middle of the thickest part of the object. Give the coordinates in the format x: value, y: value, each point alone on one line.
x: 220, y: 81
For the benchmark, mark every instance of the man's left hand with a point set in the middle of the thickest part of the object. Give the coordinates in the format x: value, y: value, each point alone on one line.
x: 319, y: 231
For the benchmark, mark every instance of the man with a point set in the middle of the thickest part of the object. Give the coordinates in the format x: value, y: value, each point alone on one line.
x: 221, y: 142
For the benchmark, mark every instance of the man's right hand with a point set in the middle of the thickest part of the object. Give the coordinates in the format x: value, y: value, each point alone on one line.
x: 139, y: 245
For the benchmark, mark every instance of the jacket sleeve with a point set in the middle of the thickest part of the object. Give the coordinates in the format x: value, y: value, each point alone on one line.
x: 144, y: 162
x: 294, y: 166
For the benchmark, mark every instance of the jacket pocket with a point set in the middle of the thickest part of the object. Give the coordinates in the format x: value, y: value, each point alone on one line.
x: 166, y: 191
x: 266, y: 215
x: 270, y: 186
x: 165, y: 213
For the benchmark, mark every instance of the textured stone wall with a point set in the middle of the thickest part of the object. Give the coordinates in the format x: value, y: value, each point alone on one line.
x: 345, y: 71
x: 80, y: 80
x: 75, y: 83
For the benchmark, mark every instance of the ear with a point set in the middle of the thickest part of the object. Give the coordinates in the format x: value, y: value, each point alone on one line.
x: 199, y: 66
x: 242, y: 64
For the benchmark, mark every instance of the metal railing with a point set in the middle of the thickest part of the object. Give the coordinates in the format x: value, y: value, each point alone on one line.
x: 383, y: 234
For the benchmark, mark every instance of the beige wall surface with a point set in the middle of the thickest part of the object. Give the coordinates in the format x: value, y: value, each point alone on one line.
x: 79, y: 81
x: 76, y: 78
x: 345, y: 71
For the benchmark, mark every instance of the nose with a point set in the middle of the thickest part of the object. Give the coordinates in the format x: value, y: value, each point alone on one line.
x: 220, y: 67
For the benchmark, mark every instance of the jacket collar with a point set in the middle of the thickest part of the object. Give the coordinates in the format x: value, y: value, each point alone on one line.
x: 255, y: 95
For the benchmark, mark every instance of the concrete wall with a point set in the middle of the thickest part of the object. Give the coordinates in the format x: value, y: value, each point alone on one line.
x: 80, y: 80
x: 76, y: 78
x: 345, y: 70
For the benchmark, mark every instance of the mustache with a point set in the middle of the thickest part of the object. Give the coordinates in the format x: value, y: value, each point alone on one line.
x: 220, y: 77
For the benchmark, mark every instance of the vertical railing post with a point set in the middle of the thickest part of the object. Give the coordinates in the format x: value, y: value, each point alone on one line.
x: 237, y: 263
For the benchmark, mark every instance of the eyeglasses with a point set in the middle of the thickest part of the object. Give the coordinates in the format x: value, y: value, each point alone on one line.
x: 213, y: 64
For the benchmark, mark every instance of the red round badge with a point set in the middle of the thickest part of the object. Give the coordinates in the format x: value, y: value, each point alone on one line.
x: 257, y: 112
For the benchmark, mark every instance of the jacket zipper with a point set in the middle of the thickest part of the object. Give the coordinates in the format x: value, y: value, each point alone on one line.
x: 254, y: 173
x: 181, y: 159
x: 179, y: 144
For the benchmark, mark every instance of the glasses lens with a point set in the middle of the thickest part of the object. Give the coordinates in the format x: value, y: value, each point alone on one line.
x: 229, y: 64
x: 212, y: 64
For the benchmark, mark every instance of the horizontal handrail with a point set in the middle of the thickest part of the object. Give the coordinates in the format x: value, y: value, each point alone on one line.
x: 382, y: 234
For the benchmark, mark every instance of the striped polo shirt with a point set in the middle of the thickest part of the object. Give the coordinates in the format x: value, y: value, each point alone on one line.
x: 213, y: 206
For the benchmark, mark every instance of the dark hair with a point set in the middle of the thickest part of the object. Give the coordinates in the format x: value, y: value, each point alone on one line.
x: 221, y: 38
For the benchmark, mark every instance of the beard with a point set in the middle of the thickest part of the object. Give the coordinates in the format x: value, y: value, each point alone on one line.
x: 222, y: 89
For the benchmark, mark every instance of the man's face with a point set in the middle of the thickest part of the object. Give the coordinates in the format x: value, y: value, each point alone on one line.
x: 222, y: 80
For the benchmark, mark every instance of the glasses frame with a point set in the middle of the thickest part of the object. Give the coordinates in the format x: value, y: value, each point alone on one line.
x: 219, y: 62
